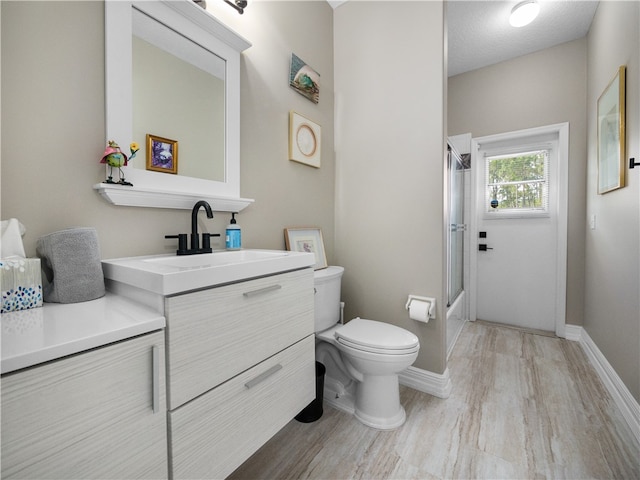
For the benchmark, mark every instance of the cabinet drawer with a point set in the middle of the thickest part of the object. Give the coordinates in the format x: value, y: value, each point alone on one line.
x: 89, y: 415
x: 212, y: 435
x: 214, y: 334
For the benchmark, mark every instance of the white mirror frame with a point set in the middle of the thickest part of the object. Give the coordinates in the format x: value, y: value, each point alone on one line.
x: 160, y: 190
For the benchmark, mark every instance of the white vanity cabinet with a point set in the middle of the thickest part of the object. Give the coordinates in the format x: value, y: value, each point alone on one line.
x: 96, y: 414
x: 240, y: 365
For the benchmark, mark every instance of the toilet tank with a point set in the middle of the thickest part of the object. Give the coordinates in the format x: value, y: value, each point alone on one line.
x: 327, y: 297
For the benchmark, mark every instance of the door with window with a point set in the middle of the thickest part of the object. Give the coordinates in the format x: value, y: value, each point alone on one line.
x: 517, y: 227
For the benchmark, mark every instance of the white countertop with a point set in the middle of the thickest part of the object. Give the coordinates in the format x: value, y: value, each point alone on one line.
x: 30, y: 337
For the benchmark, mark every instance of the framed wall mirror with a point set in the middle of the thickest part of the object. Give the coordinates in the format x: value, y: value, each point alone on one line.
x: 173, y: 70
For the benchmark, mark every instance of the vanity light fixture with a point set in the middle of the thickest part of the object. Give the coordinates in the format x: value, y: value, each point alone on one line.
x: 239, y: 5
x: 524, y: 13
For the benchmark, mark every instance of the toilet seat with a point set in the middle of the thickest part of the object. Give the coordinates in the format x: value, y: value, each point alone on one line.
x: 377, y: 337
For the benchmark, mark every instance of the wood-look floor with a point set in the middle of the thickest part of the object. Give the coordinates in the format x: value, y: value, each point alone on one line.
x: 523, y: 406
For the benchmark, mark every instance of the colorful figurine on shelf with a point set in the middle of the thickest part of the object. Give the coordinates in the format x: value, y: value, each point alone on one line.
x: 114, y: 157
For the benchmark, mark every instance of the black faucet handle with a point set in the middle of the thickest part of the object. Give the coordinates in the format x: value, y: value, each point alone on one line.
x: 206, y: 241
x: 182, y: 242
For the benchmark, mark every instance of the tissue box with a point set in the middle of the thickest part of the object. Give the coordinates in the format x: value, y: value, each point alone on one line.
x: 21, y: 283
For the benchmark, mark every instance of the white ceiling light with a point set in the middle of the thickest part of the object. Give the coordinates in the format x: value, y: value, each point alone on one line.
x: 524, y: 13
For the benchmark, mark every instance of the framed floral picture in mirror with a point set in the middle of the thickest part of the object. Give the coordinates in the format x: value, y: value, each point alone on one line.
x: 162, y: 154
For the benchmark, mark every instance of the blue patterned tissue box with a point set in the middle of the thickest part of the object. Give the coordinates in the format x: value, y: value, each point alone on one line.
x: 21, y: 283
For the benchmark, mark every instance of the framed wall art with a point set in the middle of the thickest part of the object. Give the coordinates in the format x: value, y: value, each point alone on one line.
x: 306, y: 239
x: 162, y: 154
x: 304, y: 79
x: 611, y: 134
x: 304, y: 140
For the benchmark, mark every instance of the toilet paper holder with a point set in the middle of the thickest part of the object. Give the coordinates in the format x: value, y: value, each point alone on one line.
x: 430, y: 300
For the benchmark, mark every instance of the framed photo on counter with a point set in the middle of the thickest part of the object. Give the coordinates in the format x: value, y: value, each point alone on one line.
x: 306, y: 239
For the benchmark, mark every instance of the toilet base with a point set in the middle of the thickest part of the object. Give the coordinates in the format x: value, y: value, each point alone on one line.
x: 376, y: 410
x: 388, y: 423
x: 378, y: 402
x: 373, y: 399
x: 339, y: 397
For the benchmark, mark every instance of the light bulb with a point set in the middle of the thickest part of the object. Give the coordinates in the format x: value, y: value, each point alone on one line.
x: 524, y: 13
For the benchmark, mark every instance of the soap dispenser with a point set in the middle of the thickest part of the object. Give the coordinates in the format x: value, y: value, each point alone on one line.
x: 234, y: 235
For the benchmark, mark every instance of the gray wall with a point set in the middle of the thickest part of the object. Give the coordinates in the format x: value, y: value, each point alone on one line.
x: 286, y: 193
x: 542, y: 88
x: 53, y: 127
x: 390, y: 80
x: 612, y: 275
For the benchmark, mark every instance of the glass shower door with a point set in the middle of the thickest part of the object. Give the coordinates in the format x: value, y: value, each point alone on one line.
x: 457, y: 227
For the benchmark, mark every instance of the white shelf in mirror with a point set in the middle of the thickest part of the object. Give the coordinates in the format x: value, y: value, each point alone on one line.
x: 158, y: 198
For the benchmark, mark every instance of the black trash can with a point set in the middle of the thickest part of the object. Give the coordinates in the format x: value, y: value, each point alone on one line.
x: 313, y: 411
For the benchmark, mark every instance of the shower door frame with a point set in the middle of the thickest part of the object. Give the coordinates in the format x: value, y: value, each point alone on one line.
x: 453, y: 160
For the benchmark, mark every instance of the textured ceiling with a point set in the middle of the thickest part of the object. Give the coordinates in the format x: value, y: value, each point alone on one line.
x: 480, y: 34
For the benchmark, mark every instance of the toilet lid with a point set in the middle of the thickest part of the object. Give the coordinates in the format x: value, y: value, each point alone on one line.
x: 376, y: 336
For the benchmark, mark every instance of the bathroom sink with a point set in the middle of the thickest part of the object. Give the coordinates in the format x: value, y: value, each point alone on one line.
x: 172, y: 274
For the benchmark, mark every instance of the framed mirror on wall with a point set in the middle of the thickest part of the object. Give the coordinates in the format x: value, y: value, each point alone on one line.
x: 167, y: 44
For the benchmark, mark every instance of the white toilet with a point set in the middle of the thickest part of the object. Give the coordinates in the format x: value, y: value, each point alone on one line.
x: 362, y: 358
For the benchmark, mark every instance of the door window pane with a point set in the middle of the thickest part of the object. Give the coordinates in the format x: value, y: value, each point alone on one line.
x: 517, y: 183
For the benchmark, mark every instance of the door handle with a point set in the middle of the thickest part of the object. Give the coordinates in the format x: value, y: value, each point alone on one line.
x: 483, y: 247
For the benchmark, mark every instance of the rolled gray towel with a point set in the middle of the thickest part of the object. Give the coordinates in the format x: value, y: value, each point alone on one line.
x: 71, y: 265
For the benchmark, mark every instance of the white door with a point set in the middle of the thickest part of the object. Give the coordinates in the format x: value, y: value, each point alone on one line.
x: 520, y: 276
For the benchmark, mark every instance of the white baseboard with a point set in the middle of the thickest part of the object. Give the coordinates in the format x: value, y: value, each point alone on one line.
x: 426, y: 381
x: 628, y: 406
x: 572, y: 332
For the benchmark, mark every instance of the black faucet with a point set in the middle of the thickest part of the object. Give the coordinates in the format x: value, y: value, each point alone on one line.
x: 195, y: 240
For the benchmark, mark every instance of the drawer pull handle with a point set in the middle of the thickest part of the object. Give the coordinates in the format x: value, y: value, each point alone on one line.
x: 259, y: 291
x: 155, y: 402
x: 263, y: 376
